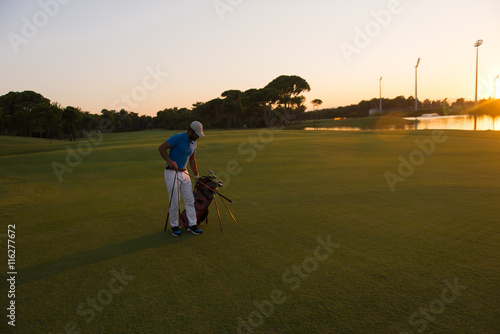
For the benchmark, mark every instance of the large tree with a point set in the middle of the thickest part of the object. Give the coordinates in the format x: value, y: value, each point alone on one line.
x: 260, y: 102
x: 232, y: 107
x: 19, y: 107
x: 49, y: 116
x: 71, y: 117
x: 290, y: 88
x: 209, y: 113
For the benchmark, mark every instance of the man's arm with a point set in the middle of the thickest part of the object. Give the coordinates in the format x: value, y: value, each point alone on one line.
x: 193, y: 164
x: 163, y: 152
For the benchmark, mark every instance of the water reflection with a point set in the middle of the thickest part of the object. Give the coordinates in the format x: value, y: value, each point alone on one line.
x: 338, y: 128
x: 461, y: 122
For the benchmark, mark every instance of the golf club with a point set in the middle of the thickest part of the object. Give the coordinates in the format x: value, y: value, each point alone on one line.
x: 212, y: 189
x: 170, y: 203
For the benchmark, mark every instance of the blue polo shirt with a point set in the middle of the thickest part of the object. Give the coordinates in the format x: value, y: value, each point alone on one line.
x: 181, y: 149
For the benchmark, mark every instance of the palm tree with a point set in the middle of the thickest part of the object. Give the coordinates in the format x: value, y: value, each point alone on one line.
x: 316, y: 103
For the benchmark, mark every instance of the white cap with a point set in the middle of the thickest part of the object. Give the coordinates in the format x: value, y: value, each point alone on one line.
x: 198, y: 128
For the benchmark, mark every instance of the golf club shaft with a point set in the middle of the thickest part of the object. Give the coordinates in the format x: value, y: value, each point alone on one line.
x: 222, y: 199
x: 170, y: 203
x: 218, y: 213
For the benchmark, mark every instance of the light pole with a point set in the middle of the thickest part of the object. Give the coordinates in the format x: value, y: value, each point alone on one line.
x: 477, y: 45
x: 380, y: 93
x: 416, y: 98
x: 495, y: 87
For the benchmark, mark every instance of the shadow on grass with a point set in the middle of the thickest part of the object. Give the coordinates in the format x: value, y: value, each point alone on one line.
x: 43, y: 270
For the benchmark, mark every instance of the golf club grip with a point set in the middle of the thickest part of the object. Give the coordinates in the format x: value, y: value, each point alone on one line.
x: 214, y: 190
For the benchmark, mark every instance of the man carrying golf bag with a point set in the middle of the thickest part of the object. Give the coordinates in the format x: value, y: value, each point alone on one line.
x: 181, y: 149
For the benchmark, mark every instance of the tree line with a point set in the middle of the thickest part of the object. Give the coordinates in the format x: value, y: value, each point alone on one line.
x: 401, y: 106
x: 278, y: 103
x: 32, y: 115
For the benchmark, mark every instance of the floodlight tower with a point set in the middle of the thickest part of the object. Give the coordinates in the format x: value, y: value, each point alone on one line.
x: 478, y: 43
x: 416, y: 98
x: 380, y: 93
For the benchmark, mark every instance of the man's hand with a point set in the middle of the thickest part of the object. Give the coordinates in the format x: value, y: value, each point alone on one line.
x: 197, y: 177
x: 172, y: 165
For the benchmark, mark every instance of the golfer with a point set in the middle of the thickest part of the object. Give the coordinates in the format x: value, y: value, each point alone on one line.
x: 181, y: 149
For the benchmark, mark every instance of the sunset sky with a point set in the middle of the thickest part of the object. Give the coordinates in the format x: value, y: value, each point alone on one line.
x: 145, y: 56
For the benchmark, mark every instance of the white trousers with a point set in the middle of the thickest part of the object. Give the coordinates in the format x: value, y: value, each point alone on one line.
x: 181, y: 186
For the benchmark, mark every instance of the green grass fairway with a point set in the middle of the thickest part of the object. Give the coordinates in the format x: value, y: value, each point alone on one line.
x: 322, y: 243
x: 364, y: 123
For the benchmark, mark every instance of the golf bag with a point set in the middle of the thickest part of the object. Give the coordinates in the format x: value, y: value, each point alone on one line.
x: 203, y: 196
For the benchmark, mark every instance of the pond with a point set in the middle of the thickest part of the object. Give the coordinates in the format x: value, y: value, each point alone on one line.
x: 460, y: 122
